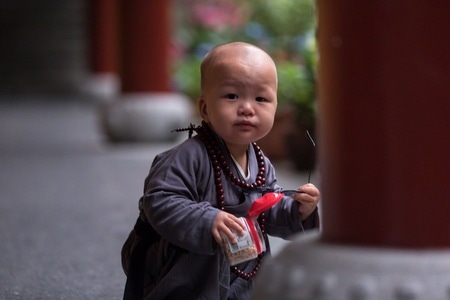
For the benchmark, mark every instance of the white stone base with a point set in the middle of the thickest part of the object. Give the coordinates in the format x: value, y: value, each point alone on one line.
x: 308, y: 269
x: 102, y: 87
x: 146, y: 117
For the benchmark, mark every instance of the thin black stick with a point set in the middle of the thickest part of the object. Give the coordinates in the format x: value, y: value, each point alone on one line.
x: 314, y: 145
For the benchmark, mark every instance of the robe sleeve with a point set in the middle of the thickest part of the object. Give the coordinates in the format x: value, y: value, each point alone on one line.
x: 283, y: 220
x: 175, y: 203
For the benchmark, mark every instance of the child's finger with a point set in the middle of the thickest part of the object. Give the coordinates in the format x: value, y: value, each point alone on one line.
x: 309, y: 188
x: 217, y: 237
x: 237, y: 224
x: 303, y: 197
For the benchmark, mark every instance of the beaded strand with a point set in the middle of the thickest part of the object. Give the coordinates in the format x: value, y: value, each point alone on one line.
x: 220, y: 165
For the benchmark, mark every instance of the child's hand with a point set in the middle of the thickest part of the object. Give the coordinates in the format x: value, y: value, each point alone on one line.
x: 309, y: 198
x: 225, y: 223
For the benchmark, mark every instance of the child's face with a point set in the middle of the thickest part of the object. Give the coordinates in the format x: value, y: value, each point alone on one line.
x: 239, y: 95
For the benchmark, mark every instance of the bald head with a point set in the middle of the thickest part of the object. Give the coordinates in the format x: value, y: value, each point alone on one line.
x: 231, y: 53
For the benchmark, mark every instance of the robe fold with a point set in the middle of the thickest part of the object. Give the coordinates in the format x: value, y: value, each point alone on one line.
x: 180, y: 203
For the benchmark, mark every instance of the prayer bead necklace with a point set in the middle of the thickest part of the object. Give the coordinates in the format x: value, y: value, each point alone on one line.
x: 220, y: 165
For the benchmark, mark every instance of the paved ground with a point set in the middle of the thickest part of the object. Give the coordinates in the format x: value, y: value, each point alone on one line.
x: 68, y: 200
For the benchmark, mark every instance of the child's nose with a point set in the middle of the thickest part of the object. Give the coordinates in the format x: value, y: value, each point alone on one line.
x: 246, y: 107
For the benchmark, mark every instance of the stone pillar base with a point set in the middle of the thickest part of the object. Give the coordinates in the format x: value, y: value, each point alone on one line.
x: 310, y: 269
x: 141, y: 117
x: 102, y: 86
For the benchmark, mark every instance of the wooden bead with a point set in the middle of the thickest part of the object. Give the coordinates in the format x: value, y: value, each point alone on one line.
x: 220, y: 165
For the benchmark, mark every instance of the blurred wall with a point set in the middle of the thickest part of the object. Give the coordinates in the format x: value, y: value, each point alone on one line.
x: 42, y: 46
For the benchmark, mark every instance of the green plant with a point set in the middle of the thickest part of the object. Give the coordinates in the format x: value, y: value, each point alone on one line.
x: 187, y: 76
x: 297, y: 85
x: 284, y: 28
x: 296, y: 88
x: 284, y: 23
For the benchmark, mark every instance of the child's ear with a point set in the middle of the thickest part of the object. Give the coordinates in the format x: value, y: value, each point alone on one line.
x: 202, y: 108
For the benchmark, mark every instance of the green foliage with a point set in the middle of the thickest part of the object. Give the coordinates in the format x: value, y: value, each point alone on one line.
x: 284, y: 28
x: 284, y: 20
x: 187, y: 76
x: 295, y: 86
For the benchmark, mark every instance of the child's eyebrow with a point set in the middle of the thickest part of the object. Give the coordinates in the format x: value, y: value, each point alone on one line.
x: 231, y: 83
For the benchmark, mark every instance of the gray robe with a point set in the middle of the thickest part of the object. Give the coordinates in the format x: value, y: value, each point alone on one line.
x: 180, y: 203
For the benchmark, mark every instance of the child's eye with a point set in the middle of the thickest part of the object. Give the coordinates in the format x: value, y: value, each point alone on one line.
x: 260, y: 99
x: 231, y: 96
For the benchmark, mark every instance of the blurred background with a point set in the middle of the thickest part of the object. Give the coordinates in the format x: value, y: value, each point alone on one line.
x: 76, y: 48
x: 68, y: 190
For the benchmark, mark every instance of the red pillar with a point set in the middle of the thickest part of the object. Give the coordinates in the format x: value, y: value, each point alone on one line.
x: 103, y: 35
x: 103, y: 47
x: 145, y: 43
x: 147, y: 109
x: 384, y: 122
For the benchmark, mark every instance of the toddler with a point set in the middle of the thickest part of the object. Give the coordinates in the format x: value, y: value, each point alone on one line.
x: 196, y: 192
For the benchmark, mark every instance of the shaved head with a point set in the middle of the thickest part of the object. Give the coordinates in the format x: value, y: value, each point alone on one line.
x: 235, y: 51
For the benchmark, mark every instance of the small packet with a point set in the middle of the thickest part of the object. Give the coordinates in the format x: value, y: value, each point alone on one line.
x: 248, y: 246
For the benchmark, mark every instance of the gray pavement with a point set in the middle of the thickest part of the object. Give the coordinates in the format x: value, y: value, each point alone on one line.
x: 68, y: 200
